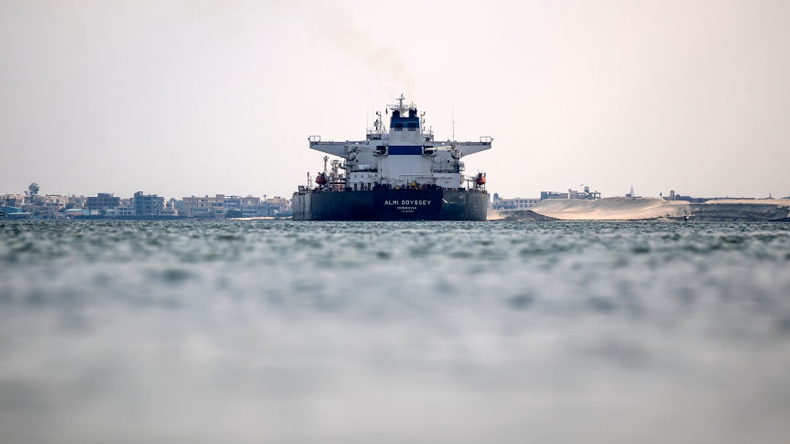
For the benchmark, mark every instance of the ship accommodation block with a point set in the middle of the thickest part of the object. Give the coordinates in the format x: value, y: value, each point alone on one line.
x: 406, y: 154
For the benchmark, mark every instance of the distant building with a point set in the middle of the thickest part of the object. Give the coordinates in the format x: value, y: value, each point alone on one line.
x: 278, y: 206
x: 219, y: 205
x: 125, y: 210
x: 193, y: 206
x: 585, y: 194
x: 231, y: 203
x: 677, y: 196
x: 102, y: 202
x: 14, y: 213
x: 147, y: 204
x: 178, y: 205
x: 78, y: 202
x: 45, y: 207
x: 170, y: 209
x: 250, y: 206
x: 515, y: 204
x: 553, y: 195
x: 200, y: 206
x: 12, y: 200
x: 631, y: 194
x: 7, y: 209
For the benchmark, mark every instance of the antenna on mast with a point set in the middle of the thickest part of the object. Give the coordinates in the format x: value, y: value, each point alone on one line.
x: 453, y: 120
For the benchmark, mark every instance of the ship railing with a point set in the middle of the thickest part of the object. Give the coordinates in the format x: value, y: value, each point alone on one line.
x: 386, y: 186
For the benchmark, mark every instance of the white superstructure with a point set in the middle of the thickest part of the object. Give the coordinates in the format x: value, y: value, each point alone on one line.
x: 402, y: 156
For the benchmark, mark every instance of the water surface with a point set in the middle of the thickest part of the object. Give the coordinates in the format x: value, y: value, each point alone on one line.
x: 304, y: 332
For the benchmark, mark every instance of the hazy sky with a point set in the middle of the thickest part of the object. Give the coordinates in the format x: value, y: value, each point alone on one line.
x: 204, y: 97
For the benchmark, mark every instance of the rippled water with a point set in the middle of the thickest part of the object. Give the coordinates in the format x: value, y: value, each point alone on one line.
x: 262, y: 331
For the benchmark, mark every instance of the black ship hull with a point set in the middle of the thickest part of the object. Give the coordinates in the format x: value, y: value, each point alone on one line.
x: 375, y: 205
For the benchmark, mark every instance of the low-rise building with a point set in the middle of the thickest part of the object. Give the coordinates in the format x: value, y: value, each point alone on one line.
x: 279, y: 205
x: 78, y: 202
x: 178, y: 205
x: 45, y: 207
x: 515, y: 204
x: 170, y: 209
x: 147, y: 204
x: 219, y: 205
x: 121, y: 211
x: 12, y: 200
x: 585, y: 194
x: 677, y: 196
x: 102, y: 202
x: 14, y: 213
x: 196, y: 206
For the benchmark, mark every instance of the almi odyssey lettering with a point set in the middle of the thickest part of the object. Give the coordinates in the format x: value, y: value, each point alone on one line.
x: 407, y: 202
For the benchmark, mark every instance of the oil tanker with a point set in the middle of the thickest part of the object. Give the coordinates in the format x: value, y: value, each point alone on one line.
x: 396, y: 173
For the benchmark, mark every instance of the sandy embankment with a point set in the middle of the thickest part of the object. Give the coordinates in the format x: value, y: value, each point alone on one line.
x: 623, y: 208
x: 519, y: 216
x: 613, y: 208
x: 732, y: 210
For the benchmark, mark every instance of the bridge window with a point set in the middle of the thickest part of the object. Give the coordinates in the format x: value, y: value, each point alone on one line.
x: 409, y: 123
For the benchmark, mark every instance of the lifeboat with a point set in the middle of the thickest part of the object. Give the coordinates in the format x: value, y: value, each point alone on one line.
x: 480, y: 179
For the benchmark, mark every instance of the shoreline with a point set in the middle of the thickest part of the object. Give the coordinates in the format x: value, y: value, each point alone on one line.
x: 615, y: 209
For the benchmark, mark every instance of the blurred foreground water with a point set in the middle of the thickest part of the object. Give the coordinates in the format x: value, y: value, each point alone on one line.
x: 306, y: 332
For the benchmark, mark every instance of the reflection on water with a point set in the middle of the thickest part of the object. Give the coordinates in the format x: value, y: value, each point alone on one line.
x: 261, y: 331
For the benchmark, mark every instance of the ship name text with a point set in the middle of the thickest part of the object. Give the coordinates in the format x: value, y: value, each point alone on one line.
x: 408, y: 202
